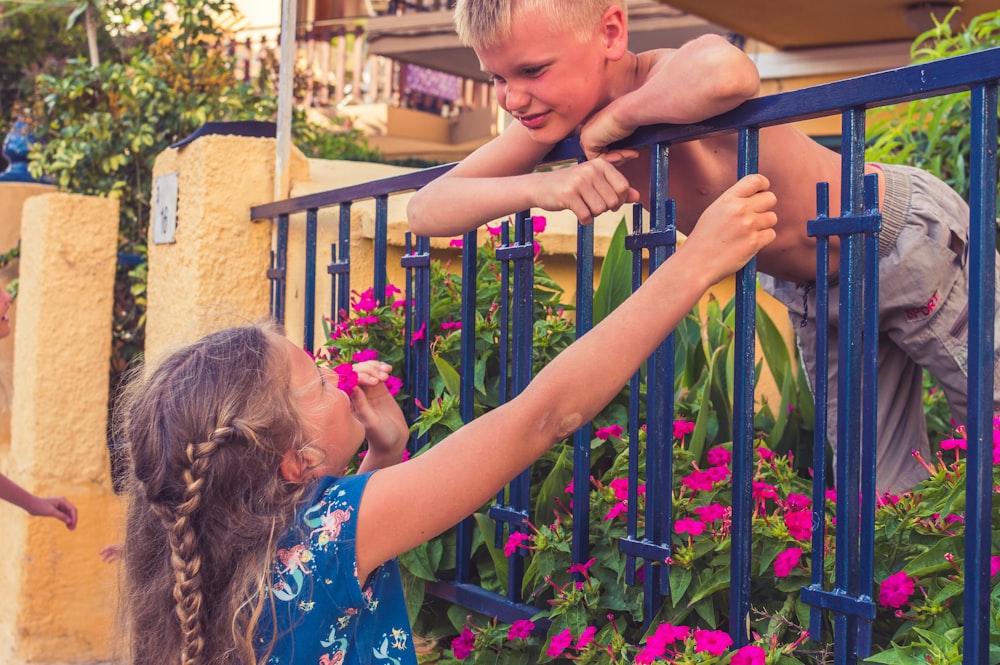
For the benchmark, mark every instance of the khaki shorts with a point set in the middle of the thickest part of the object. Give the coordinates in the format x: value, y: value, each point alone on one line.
x: 923, y: 318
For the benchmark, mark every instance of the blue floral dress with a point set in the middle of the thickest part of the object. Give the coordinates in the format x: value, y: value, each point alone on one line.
x: 322, y: 613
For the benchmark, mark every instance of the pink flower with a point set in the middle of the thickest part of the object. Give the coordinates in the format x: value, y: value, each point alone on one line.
x: 514, y: 541
x: 559, y: 644
x: 605, y: 433
x: 798, y: 501
x: 719, y: 456
x: 582, y: 568
x: 520, y: 630
x: 698, y: 480
x: 751, y: 654
x: 390, y: 291
x: 616, y: 510
x: 347, y: 378
x: 455, y: 242
x: 366, y: 302
x: 994, y: 565
x: 714, y: 642
x: 682, y: 427
x: 419, y: 334
x: 688, y: 525
x: 494, y: 230
x: 896, y: 590
x: 538, y: 223
x: 763, y: 490
x: 657, y: 643
x: 451, y: 325
x: 586, y: 637
x: 786, y: 561
x: 799, y: 523
x: 463, y: 644
x: 366, y: 321
x: 950, y: 444
x: 766, y: 454
x: 367, y: 354
x: 393, y: 384
x: 710, y: 513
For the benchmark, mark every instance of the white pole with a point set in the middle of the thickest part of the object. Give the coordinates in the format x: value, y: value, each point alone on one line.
x: 286, y: 76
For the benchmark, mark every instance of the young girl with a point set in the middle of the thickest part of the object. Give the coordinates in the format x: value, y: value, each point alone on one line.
x: 243, y: 545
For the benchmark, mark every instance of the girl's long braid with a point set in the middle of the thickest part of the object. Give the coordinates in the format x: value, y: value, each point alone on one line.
x: 206, y: 431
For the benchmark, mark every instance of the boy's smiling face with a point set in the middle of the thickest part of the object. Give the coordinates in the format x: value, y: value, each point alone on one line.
x: 546, y: 77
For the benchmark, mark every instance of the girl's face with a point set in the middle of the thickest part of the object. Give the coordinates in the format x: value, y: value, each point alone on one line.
x: 545, y: 77
x: 330, y: 423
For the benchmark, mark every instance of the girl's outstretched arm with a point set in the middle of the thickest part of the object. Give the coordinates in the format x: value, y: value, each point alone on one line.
x: 409, y: 503
x: 58, y: 507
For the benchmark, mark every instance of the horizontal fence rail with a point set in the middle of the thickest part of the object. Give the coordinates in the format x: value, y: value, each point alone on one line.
x: 849, y: 596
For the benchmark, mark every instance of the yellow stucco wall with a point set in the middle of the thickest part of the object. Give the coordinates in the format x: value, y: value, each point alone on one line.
x: 60, y: 598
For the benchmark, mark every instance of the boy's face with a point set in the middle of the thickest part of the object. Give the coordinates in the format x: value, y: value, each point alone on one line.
x: 545, y: 77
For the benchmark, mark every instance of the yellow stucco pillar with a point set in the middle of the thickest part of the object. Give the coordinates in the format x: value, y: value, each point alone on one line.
x: 59, y: 596
x: 213, y: 273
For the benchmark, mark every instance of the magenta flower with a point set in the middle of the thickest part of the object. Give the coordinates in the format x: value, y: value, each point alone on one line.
x: 514, y: 541
x: 520, y: 629
x: 713, y: 642
x: 951, y: 444
x: 751, y: 654
x: 719, y: 456
x: 605, y: 433
x: 586, y: 637
x: 786, y: 561
x: 366, y: 302
x: 798, y: 501
x: 494, y: 230
x: 763, y: 490
x: 559, y: 644
x: 367, y: 354
x: 994, y: 565
x: 455, y: 242
x: 420, y: 334
x: 766, y: 454
x: 582, y: 568
x: 538, y: 223
x: 710, y: 513
x: 799, y: 523
x: 620, y: 487
x: 366, y: 321
x: 390, y: 291
x: 463, y: 645
x: 698, y: 481
x: 896, y: 590
x: 688, y: 525
x: 451, y: 325
x: 393, y: 384
x: 682, y: 427
x: 616, y: 510
x: 347, y: 378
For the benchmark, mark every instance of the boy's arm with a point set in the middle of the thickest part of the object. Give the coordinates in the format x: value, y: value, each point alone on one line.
x: 701, y: 79
x: 497, y: 180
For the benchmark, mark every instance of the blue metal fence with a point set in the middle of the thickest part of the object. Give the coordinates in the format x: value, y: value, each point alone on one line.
x: 849, y: 596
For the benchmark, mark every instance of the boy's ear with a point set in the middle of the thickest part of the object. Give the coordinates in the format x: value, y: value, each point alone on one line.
x: 614, y: 32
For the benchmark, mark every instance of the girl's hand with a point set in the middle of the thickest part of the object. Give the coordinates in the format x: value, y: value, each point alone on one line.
x: 385, y: 426
x: 56, y: 506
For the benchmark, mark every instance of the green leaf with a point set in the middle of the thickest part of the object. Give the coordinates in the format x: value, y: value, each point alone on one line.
x: 448, y: 374
x: 616, y: 275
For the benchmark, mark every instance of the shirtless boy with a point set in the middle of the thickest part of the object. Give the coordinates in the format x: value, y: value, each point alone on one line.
x: 561, y: 67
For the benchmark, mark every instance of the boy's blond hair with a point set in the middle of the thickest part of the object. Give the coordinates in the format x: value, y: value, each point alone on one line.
x: 486, y: 23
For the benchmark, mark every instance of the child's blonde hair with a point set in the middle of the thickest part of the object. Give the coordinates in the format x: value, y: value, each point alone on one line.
x: 487, y: 23
x: 205, y: 432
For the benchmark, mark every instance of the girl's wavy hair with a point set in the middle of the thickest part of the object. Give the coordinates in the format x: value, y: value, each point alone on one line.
x: 205, y: 432
x: 487, y: 23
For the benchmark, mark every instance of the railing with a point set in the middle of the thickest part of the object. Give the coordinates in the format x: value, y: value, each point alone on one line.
x: 849, y: 597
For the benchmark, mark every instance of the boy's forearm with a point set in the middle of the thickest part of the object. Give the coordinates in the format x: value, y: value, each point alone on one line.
x: 451, y: 206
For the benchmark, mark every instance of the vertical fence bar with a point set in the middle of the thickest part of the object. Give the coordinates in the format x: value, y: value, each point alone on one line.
x: 344, y: 241
x: 632, y: 242
x: 581, y: 438
x: 467, y: 385
x: 743, y: 409
x: 309, y: 316
x: 659, y: 401
x: 381, y: 257
x: 279, y: 258
x: 982, y: 313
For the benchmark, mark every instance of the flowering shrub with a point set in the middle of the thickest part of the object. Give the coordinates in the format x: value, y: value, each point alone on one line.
x: 586, y: 611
